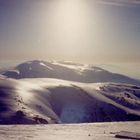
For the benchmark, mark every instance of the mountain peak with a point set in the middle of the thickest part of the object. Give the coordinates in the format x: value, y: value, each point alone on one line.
x: 66, y: 71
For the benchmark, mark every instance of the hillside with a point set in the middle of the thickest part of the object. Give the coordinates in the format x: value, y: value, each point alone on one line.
x: 44, y: 100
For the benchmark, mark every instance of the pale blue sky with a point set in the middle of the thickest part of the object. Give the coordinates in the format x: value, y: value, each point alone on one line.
x: 102, y: 31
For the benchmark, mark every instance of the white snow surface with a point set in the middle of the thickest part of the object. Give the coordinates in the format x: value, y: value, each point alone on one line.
x: 79, y: 68
x: 96, y: 131
x: 46, y: 66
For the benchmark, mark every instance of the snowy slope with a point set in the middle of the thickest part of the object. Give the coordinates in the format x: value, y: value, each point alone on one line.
x: 66, y: 71
x: 44, y: 100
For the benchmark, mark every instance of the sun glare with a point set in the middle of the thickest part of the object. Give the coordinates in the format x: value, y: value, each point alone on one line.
x: 69, y: 25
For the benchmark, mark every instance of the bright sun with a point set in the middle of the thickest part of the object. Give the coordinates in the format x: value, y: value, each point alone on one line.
x: 69, y: 29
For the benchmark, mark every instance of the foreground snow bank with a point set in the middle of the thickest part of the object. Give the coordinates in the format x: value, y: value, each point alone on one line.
x: 96, y: 131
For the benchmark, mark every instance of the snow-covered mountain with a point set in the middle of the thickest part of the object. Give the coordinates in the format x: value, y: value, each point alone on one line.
x: 66, y: 71
x: 46, y: 100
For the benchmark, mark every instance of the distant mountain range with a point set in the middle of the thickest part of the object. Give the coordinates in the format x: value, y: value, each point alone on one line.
x: 66, y: 71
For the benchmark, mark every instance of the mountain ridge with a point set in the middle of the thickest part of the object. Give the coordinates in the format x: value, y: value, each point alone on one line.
x: 66, y: 71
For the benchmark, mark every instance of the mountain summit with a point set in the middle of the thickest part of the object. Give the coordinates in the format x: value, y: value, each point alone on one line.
x: 66, y: 71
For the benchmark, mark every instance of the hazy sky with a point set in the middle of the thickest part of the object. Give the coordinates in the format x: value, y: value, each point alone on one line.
x: 91, y: 31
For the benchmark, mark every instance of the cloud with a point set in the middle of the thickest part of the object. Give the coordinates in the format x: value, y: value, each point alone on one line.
x: 119, y: 2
